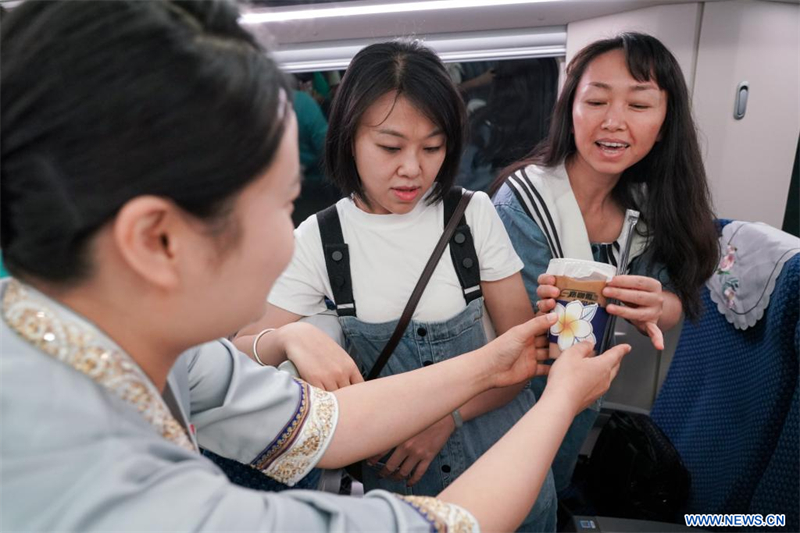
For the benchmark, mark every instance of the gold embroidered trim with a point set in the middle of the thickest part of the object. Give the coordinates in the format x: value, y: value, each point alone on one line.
x: 289, y: 433
x: 443, y: 517
x: 75, y: 345
x: 307, y: 437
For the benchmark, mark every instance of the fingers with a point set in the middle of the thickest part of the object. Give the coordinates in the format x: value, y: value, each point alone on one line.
x: 329, y: 381
x: 542, y: 348
x: 655, y: 334
x: 636, y: 297
x: 546, y: 305
x: 341, y: 376
x: 639, y: 283
x: 547, y: 291
x: 372, y: 461
x: 542, y: 370
x: 419, y: 471
x: 355, y: 376
x: 613, y: 357
x: 634, y: 314
x: 401, y: 465
x: 546, y: 279
x: 541, y: 341
x: 408, y: 466
x: 542, y: 354
x: 581, y: 350
x: 320, y: 382
x: 393, y: 463
x: 536, y: 326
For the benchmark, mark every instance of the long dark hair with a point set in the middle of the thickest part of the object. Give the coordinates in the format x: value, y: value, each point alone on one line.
x: 412, y: 71
x: 106, y: 101
x: 521, y: 100
x: 676, y: 205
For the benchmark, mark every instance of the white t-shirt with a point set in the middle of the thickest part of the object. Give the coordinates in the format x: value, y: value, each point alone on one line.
x: 387, y: 256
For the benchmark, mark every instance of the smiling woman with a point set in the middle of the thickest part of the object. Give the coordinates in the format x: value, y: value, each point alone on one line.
x: 616, y: 120
x: 621, y: 137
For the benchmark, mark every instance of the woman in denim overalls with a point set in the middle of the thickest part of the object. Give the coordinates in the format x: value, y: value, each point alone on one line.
x: 393, y: 147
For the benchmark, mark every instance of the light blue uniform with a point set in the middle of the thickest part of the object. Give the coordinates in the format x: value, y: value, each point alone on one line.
x: 89, y: 443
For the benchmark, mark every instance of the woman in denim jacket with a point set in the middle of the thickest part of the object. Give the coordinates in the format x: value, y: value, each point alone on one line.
x: 621, y: 137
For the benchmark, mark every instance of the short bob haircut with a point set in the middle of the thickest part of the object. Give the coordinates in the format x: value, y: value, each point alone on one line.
x: 412, y: 71
x: 107, y: 101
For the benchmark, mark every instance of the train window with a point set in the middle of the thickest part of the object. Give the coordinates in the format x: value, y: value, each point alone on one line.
x: 508, y: 101
x: 313, y: 94
x: 509, y: 104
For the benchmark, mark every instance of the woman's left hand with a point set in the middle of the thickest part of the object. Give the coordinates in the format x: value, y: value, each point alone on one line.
x: 644, y: 304
x: 412, y: 458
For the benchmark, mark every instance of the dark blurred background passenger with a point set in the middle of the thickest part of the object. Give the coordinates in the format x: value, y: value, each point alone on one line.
x: 473, y: 79
x: 316, y: 193
x: 515, y: 118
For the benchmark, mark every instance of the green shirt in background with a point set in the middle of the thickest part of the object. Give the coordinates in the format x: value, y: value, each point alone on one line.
x: 312, y: 127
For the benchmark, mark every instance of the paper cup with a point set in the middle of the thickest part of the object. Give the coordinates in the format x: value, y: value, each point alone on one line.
x: 581, y: 305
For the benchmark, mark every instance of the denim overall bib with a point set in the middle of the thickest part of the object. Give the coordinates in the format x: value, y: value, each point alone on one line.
x: 427, y: 343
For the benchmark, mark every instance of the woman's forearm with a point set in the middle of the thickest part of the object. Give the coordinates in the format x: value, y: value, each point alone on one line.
x: 489, y: 401
x: 512, y: 472
x: 376, y: 415
x: 271, y: 346
x: 270, y: 351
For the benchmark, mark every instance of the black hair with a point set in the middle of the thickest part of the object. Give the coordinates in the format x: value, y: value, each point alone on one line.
x: 412, y: 71
x: 106, y: 101
x: 521, y: 100
x: 676, y: 206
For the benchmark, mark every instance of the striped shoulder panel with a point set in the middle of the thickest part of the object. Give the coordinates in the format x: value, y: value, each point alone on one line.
x: 535, y: 207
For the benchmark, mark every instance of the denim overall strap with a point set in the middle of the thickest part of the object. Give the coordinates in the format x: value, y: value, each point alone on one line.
x: 462, y: 249
x: 337, y: 261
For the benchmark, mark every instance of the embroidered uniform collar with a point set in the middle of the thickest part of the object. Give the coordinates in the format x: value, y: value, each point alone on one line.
x: 65, y: 336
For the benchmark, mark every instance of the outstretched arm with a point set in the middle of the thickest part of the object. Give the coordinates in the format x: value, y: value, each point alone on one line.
x: 508, y: 305
x: 507, y: 360
x: 511, y: 473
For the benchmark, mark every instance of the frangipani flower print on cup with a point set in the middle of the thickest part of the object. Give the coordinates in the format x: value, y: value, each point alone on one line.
x: 581, y: 306
x: 574, y: 323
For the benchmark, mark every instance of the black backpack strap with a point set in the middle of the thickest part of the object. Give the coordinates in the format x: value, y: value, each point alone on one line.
x: 337, y: 261
x: 462, y: 249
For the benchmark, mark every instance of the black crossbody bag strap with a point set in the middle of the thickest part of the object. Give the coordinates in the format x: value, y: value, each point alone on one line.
x: 408, y: 312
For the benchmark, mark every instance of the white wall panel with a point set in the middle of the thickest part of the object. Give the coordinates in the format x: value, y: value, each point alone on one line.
x: 749, y: 161
x: 677, y: 26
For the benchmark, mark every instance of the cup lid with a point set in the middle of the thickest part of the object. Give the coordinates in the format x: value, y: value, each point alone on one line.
x: 581, y: 269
